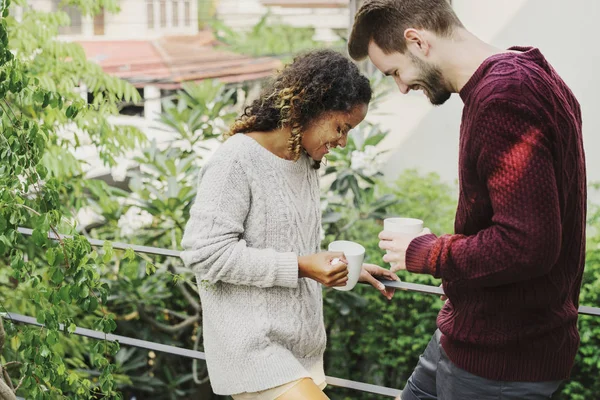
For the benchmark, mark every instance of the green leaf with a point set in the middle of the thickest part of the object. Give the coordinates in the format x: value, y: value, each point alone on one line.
x: 150, y: 268
x: 51, y: 256
x: 108, y: 252
x: 42, y: 171
x: 38, y: 96
x: 72, y: 327
x: 85, y: 306
x: 52, y: 338
x: 112, y: 325
x: 44, y: 351
x: 74, y: 291
x: 15, y: 342
x: 54, y: 100
x: 64, y: 295
x: 93, y: 304
x: 58, y: 276
x: 129, y: 254
x: 39, y: 237
x: 72, y: 378
x: 47, y: 99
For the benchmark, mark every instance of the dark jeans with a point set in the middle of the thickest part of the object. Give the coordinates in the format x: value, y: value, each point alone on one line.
x: 437, y: 378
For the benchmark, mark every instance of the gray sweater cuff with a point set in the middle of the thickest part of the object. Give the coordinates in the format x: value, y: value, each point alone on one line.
x: 287, y: 270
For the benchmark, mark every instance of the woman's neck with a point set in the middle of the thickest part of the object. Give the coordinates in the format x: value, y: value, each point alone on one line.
x: 276, y: 141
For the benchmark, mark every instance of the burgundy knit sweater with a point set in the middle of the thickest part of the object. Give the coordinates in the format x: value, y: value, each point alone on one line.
x: 513, y: 269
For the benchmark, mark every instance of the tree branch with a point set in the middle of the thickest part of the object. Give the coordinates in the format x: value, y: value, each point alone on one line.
x: 6, y: 387
x: 12, y: 364
x: 192, y: 300
x: 175, y: 313
x: 188, y: 296
x: 7, y: 379
x: 5, y: 392
x: 2, y: 335
x: 168, y: 328
x: 20, y: 383
x: 58, y: 237
x: 195, y: 373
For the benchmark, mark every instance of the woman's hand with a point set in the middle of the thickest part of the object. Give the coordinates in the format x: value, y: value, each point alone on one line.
x: 321, y: 268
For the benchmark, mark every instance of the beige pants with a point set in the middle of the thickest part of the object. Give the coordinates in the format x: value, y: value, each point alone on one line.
x: 274, y: 393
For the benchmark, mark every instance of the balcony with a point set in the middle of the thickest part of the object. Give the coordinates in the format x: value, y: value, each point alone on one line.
x: 193, y: 354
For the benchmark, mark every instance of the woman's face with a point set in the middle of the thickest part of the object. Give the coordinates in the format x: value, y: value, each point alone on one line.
x: 331, y: 130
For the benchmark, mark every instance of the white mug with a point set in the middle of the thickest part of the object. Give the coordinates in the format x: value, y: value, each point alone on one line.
x: 355, y: 255
x: 410, y: 227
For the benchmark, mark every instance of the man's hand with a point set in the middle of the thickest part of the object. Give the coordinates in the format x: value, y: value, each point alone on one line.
x: 370, y: 271
x: 443, y: 297
x: 396, y: 245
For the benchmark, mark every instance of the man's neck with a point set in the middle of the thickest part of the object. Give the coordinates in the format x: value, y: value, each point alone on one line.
x: 461, y: 55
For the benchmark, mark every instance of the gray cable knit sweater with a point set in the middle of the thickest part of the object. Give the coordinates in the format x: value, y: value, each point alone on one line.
x: 254, y: 214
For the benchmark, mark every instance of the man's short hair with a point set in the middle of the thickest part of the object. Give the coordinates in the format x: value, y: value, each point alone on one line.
x: 384, y: 22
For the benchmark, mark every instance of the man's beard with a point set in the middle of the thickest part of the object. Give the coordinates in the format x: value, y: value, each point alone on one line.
x: 432, y: 82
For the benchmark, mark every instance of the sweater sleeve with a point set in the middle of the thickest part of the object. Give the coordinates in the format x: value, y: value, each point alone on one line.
x: 212, y: 242
x: 514, y: 161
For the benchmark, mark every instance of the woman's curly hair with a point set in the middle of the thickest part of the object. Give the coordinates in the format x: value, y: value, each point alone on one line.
x: 314, y: 83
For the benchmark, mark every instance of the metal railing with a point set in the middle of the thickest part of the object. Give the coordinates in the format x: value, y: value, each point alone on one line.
x: 143, y: 344
x: 157, y: 251
x: 194, y: 354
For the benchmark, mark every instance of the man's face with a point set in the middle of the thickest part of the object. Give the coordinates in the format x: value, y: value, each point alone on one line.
x: 411, y: 73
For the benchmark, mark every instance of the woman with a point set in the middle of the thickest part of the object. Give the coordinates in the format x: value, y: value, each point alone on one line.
x: 254, y: 233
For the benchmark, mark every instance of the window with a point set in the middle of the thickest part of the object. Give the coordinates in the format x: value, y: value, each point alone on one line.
x: 133, y: 109
x: 175, y: 13
x: 99, y: 23
x: 163, y: 13
x: 150, y: 12
x: 188, y: 13
x: 74, y: 27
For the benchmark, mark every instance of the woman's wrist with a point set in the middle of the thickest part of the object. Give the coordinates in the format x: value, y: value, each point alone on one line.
x: 301, y: 266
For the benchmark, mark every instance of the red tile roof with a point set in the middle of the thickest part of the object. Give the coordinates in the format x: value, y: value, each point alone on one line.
x: 127, y: 58
x: 169, y: 61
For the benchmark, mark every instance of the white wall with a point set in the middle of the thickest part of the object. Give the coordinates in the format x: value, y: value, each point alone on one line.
x: 243, y: 14
x: 41, y: 5
x: 425, y: 137
x: 132, y: 21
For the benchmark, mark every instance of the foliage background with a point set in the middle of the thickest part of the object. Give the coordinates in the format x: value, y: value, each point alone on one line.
x: 154, y: 298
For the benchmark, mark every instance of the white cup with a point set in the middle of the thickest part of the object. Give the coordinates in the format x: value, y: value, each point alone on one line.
x: 355, y: 255
x: 407, y: 226
x: 410, y: 227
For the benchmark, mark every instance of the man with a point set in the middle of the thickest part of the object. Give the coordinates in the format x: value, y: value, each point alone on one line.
x: 512, y: 271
